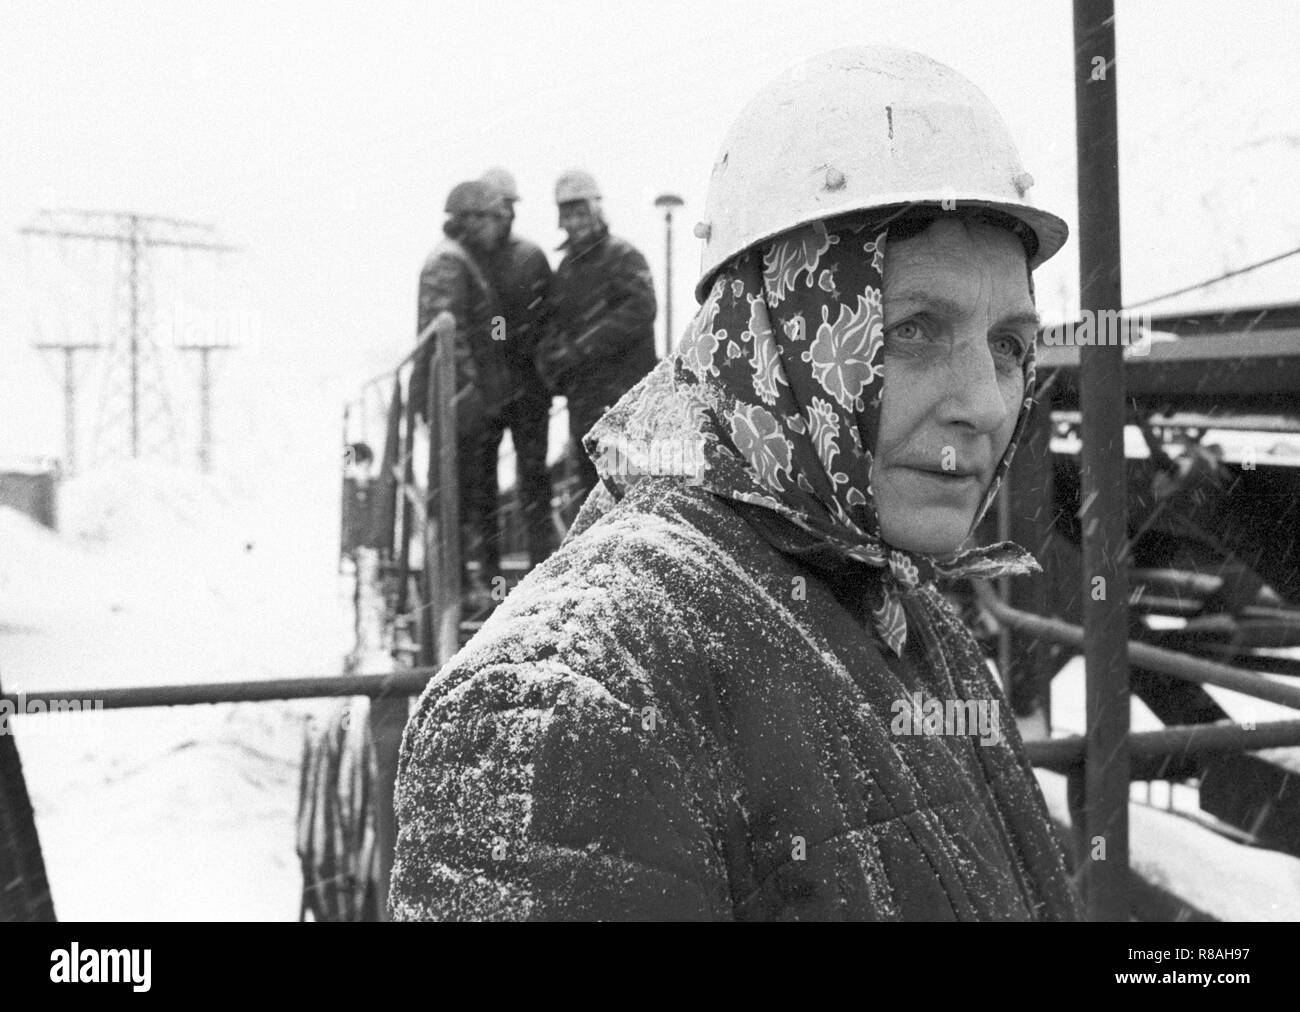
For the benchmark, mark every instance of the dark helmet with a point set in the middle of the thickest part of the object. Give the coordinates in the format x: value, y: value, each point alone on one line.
x: 474, y: 196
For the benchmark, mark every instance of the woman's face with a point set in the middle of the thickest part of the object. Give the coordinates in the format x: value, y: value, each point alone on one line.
x: 959, y: 322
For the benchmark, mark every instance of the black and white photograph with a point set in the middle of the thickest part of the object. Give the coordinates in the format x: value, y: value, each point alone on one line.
x: 681, y: 461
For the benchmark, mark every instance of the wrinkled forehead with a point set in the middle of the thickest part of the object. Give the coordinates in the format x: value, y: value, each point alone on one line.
x: 964, y: 267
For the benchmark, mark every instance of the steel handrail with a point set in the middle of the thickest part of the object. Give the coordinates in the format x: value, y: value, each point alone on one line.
x: 1143, y: 655
x: 1063, y: 754
x: 407, y: 682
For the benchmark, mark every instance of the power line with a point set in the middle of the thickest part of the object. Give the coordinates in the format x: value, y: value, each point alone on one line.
x: 1215, y: 281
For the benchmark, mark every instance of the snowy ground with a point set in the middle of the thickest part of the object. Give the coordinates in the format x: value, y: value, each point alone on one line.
x: 160, y: 576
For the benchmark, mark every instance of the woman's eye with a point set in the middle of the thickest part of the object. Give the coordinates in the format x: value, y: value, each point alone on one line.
x: 1009, y: 347
x: 909, y: 330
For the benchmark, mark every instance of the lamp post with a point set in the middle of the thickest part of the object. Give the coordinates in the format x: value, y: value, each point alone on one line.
x: 668, y: 201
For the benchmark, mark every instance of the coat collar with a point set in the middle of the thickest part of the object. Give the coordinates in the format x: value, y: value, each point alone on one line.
x: 597, y: 237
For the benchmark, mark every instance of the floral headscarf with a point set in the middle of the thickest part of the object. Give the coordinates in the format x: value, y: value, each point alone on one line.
x: 779, y: 378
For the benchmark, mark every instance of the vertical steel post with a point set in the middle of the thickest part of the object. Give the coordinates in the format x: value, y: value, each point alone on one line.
x: 387, y: 717
x: 1027, y: 498
x: 668, y: 201
x: 447, y: 530
x: 25, y: 895
x: 1104, y: 507
x: 385, y: 714
x: 382, y: 533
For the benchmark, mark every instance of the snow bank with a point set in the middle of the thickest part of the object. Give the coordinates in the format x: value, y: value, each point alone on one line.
x: 1224, y: 879
x: 163, y: 576
x: 44, y: 581
x: 138, y: 504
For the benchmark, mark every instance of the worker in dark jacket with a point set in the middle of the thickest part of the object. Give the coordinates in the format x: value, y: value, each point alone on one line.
x: 520, y: 274
x: 600, y: 337
x: 737, y: 693
x: 455, y: 292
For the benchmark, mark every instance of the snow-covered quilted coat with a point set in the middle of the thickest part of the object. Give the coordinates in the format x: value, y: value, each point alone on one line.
x: 670, y: 719
x: 697, y: 708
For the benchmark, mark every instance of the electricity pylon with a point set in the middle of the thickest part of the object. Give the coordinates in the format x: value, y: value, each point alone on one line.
x: 134, y: 372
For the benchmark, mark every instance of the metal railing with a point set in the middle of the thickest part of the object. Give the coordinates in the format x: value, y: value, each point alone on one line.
x: 1144, y: 655
x: 400, y: 684
x: 1150, y: 755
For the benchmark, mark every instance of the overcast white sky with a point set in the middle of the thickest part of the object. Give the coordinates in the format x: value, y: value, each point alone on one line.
x: 322, y: 139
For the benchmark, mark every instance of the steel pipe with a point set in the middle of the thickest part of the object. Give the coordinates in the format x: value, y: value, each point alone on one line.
x: 1143, y: 655
x: 399, y: 683
x: 1061, y: 754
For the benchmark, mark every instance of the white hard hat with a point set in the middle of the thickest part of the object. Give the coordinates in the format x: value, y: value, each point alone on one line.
x: 858, y: 128
x: 501, y: 181
x: 576, y: 185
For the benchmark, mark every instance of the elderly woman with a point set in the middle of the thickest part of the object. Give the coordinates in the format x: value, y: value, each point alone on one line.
x: 691, y: 710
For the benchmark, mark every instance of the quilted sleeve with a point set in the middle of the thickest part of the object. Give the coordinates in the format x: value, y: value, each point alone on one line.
x: 554, y: 770
x: 527, y: 795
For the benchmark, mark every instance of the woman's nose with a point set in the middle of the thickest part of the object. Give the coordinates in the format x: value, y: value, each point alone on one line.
x: 972, y: 395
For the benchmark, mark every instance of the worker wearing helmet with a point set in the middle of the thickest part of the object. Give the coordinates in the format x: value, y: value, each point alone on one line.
x: 600, y: 334
x: 456, y: 293
x: 521, y: 276
x: 738, y: 694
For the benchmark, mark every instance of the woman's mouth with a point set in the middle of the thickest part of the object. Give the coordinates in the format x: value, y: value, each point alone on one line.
x: 949, y: 476
x: 938, y: 487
